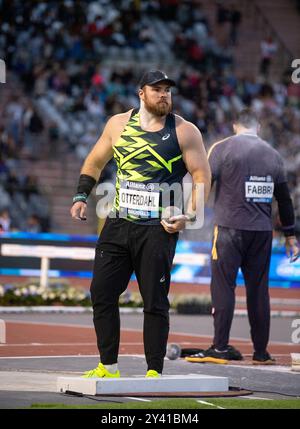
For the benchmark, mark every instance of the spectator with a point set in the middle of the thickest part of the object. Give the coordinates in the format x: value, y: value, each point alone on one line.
x: 268, y: 48
x: 223, y: 13
x: 235, y: 21
x: 4, y: 171
x: 36, y: 125
x: 13, y: 184
x: 33, y: 224
x: 5, y: 220
x: 30, y: 186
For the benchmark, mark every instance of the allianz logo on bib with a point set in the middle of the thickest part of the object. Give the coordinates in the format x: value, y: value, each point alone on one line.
x: 260, y: 179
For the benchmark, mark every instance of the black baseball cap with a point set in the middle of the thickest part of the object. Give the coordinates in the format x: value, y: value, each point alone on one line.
x: 154, y: 76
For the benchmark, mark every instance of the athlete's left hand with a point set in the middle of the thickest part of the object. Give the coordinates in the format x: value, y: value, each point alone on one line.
x: 174, y: 223
x: 292, y: 248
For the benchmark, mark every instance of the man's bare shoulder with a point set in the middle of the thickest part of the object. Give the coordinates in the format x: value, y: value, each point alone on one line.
x: 116, y: 124
x: 184, y: 125
x: 188, y: 134
x: 119, y: 118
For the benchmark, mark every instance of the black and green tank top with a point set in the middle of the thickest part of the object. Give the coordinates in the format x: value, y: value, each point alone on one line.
x: 148, y: 163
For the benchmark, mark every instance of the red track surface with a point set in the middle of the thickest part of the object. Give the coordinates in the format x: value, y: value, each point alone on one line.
x: 42, y: 339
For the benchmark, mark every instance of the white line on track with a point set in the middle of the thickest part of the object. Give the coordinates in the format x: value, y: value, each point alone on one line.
x: 138, y: 399
x: 67, y: 325
x: 274, y: 368
x: 255, y: 397
x: 212, y: 405
x: 66, y: 356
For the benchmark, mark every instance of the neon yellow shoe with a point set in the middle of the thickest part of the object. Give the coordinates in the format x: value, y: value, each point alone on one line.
x: 100, y: 372
x: 152, y: 374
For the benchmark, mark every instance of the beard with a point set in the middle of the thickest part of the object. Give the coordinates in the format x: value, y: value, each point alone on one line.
x: 161, y: 108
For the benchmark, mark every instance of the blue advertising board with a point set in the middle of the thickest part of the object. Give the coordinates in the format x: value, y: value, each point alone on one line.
x: 191, y: 262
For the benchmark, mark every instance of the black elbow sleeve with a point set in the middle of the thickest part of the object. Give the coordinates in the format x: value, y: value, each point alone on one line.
x: 285, y: 208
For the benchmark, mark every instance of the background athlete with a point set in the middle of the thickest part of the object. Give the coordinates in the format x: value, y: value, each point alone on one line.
x: 247, y: 172
x: 151, y: 147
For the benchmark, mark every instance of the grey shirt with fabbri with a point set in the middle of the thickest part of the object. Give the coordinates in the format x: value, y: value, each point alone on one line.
x: 245, y: 169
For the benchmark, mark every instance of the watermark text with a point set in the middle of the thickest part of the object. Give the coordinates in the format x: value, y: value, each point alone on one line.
x: 296, y: 72
x: 296, y: 333
x: 2, y: 71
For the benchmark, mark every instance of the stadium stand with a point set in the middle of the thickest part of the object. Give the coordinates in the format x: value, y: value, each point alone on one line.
x: 72, y: 64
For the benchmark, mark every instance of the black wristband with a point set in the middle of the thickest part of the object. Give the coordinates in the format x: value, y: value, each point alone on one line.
x: 84, y: 188
x: 85, y: 184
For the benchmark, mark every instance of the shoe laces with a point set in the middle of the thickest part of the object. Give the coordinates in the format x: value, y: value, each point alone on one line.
x: 99, y: 371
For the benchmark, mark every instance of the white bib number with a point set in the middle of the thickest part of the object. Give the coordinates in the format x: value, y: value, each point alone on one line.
x: 139, y: 199
x: 259, y: 189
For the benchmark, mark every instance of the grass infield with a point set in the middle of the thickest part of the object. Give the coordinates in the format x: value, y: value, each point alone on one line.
x: 222, y: 403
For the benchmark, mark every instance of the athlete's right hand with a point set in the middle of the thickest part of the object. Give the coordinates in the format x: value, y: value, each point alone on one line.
x: 78, y: 210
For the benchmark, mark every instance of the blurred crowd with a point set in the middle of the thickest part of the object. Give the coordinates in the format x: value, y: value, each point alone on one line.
x: 60, y: 53
x: 22, y: 204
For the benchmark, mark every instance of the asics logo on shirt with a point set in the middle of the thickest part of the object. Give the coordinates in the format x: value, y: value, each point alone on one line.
x: 166, y: 136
